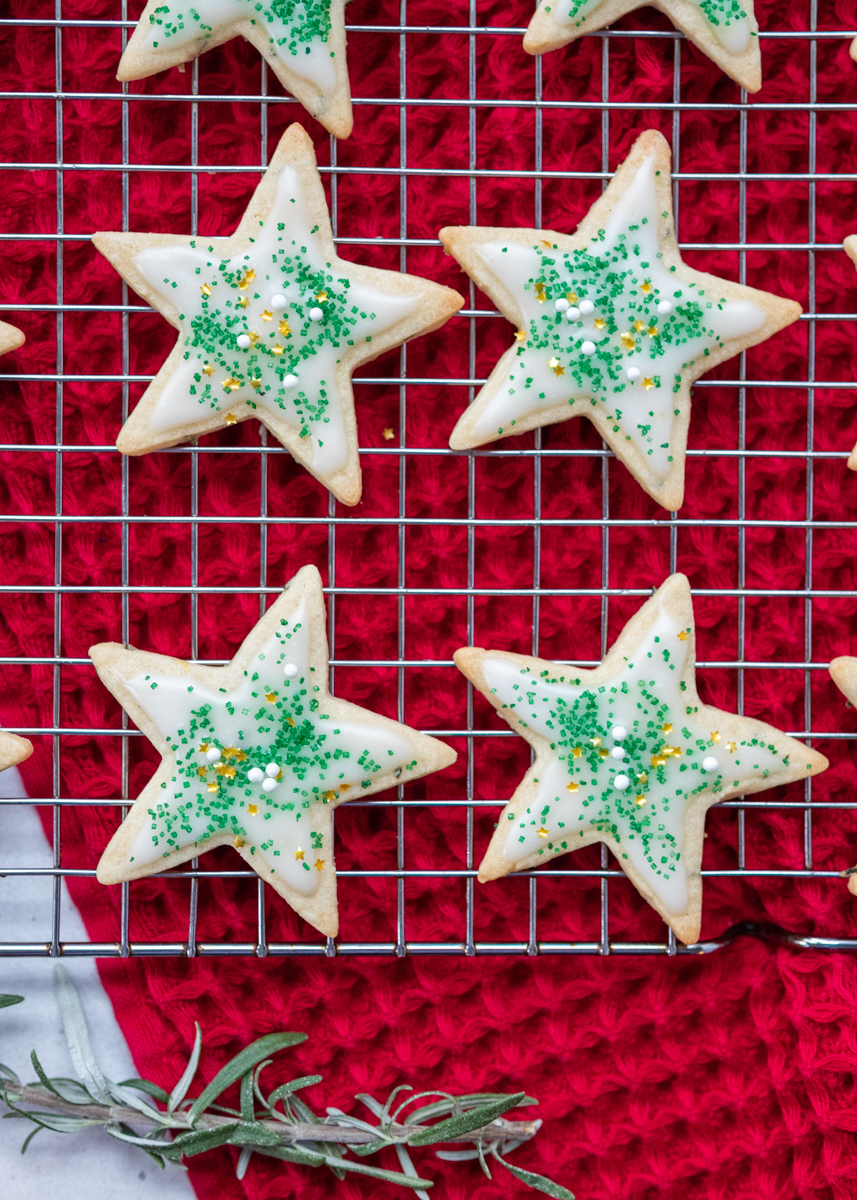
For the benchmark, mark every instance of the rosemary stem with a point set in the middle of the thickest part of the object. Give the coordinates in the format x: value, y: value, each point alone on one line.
x: 289, y: 1133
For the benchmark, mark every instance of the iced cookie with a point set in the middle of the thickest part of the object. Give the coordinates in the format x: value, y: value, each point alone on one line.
x: 303, y: 42
x: 271, y: 324
x: 611, y: 324
x: 725, y: 30
x: 843, y: 672
x: 255, y: 755
x: 627, y: 754
x: 13, y: 749
x: 10, y: 338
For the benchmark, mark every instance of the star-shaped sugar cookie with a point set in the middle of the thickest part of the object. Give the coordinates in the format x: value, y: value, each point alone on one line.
x: 255, y: 755
x: 843, y: 672
x: 10, y: 338
x: 271, y: 324
x: 611, y: 324
x: 13, y: 749
x: 725, y: 30
x: 627, y: 754
x: 303, y: 42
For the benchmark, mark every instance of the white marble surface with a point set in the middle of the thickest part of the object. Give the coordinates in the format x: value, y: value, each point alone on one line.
x: 90, y: 1159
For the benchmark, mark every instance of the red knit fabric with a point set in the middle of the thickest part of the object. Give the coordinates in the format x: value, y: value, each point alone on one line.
x: 730, y: 1075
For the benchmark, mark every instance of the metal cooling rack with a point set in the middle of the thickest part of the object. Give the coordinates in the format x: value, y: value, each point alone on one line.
x: 262, y: 946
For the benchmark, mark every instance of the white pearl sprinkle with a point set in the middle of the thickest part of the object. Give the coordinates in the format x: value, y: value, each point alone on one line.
x: 618, y: 733
x: 665, y: 308
x: 290, y: 380
x: 278, y: 302
x: 272, y: 770
x: 710, y: 763
x: 561, y: 305
x: 573, y: 314
x: 316, y: 314
x: 621, y: 782
x: 213, y: 754
x: 290, y: 670
x: 587, y: 307
x: 617, y: 752
x: 268, y: 785
x: 588, y: 348
x: 255, y: 774
x: 633, y: 374
x: 243, y: 341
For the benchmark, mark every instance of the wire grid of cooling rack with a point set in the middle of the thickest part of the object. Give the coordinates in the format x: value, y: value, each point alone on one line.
x: 262, y: 946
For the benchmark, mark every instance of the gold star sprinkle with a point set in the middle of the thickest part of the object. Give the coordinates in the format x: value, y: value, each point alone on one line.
x: 541, y: 295
x: 714, y: 737
x: 321, y: 295
x: 628, y: 341
x: 604, y: 753
x: 205, y: 747
x: 343, y: 787
x: 299, y: 854
x: 289, y: 721
x: 596, y: 741
x: 683, y: 635
x: 658, y: 760
x: 646, y: 288
x: 319, y: 864
x: 230, y: 752
x: 248, y: 278
x: 648, y: 384
x: 225, y: 769
x: 230, y: 419
x: 208, y: 370
x: 331, y: 795
x: 543, y: 833
x: 270, y: 697
x: 675, y: 751
x: 206, y: 289
x: 520, y: 335
x: 238, y: 843
x: 267, y: 316
x: 284, y: 328
x: 253, y: 335
x: 572, y: 787
x: 243, y: 302
x: 556, y: 368
x: 640, y: 801
x: 571, y: 297
x: 544, y: 243
x: 666, y: 729
x: 252, y: 809
x: 652, y: 331
x: 643, y: 777
x: 731, y: 747
x: 201, y: 772
x: 231, y: 384
x: 212, y: 787
x: 599, y: 322
x: 387, y: 434
x: 639, y: 326
x: 577, y: 752
x: 255, y: 384
x: 278, y: 349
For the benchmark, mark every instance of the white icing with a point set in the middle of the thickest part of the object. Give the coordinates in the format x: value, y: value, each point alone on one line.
x: 290, y: 262
x: 312, y: 60
x: 292, y: 813
x: 635, y: 380
x: 642, y: 821
x: 732, y: 30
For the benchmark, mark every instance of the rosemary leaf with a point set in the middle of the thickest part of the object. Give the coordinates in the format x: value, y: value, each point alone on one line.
x: 457, y: 1155
x: 77, y: 1036
x: 254, y: 1134
x: 30, y: 1137
x: 408, y: 1167
x: 411, y: 1181
x: 286, y: 1089
x: 242, y: 1062
x: 6, y: 1001
x: 180, y: 1090
x: 145, y: 1085
x: 454, y: 1127
x: 539, y: 1182
x: 248, y: 1112
x: 243, y: 1162
x: 197, y: 1141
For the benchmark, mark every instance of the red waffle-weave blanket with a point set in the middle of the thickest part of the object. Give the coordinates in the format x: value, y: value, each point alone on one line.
x: 723, y: 1076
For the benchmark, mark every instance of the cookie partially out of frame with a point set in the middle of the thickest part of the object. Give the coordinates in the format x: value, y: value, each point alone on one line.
x: 627, y: 754
x: 271, y: 322
x: 255, y: 755
x: 843, y: 672
x: 13, y: 749
x: 10, y: 337
x: 303, y: 43
x: 611, y: 324
x: 724, y: 30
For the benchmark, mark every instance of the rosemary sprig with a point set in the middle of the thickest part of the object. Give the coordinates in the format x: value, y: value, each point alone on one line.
x: 280, y: 1125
